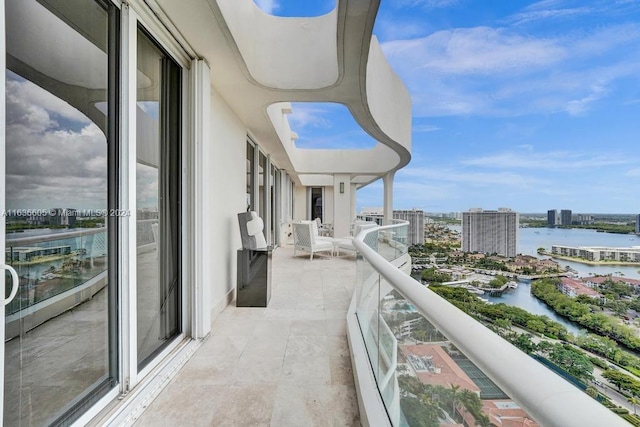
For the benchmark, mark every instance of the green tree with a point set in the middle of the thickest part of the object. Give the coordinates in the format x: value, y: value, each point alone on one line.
x: 591, y: 391
x: 634, y: 401
x: 524, y: 343
x: 571, y: 360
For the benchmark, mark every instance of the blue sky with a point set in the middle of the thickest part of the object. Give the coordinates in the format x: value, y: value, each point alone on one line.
x: 521, y: 104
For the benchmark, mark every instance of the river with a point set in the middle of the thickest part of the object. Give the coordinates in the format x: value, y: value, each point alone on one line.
x: 530, y: 239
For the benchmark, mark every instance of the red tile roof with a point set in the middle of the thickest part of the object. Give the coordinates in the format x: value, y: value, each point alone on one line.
x: 450, y: 372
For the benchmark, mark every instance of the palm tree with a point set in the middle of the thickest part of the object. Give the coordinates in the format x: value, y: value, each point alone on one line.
x: 484, y: 421
x: 455, y: 397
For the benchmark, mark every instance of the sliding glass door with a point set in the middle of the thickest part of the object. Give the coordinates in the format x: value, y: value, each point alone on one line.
x: 64, y: 180
x: 158, y: 198
x: 60, y: 146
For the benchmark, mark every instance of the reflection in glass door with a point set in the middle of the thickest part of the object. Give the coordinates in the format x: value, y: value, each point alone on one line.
x: 158, y: 199
x: 316, y: 205
x: 60, y: 348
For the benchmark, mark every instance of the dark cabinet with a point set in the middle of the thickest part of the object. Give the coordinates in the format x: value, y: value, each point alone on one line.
x: 254, y: 278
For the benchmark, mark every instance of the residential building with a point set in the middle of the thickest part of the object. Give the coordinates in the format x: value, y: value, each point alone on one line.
x: 565, y: 217
x: 372, y: 214
x: 171, y: 117
x: 592, y: 281
x: 432, y: 365
x: 573, y: 288
x: 415, y: 218
x: 490, y: 232
x: 552, y: 217
x: 594, y: 253
x: 64, y: 217
x: 584, y: 219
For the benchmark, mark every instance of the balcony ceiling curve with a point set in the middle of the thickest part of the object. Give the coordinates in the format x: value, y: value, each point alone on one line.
x: 259, y: 60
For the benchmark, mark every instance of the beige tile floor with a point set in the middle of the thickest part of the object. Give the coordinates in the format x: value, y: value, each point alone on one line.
x: 284, y: 365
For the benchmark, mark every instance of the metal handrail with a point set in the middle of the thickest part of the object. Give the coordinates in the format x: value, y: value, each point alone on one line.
x: 550, y: 399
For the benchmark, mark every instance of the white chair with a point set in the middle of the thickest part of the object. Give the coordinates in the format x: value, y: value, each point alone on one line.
x: 316, y: 231
x: 305, y: 240
x: 324, y: 229
x: 346, y: 243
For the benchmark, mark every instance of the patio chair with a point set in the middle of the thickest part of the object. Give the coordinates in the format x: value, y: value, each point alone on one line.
x: 346, y: 243
x: 316, y: 231
x: 305, y: 240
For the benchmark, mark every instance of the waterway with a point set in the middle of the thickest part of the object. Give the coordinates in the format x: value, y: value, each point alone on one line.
x: 530, y: 239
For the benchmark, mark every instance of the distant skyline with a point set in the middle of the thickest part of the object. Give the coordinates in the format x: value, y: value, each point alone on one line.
x: 520, y: 104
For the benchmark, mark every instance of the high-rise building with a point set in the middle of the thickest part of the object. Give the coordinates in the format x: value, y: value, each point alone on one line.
x: 638, y: 224
x: 552, y: 217
x: 490, y: 231
x: 415, y: 217
x: 565, y: 217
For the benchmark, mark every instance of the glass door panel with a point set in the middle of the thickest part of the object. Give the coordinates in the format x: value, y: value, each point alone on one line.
x: 158, y: 199
x: 60, y: 347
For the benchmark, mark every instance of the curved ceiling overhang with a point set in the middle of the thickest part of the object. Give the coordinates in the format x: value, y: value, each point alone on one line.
x: 226, y: 32
x: 319, y: 180
x: 276, y: 49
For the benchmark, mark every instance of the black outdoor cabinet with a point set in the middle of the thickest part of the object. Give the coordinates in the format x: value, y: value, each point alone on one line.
x: 254, y: 263
x: 254, y: 278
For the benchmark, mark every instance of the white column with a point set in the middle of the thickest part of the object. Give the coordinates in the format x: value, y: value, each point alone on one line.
x: 353, y: 202
x: 388, y: 197
x: 201, y: 110
x: 341, y: 205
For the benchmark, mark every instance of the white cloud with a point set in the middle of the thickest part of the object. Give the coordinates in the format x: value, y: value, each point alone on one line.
x: 50, y: 164
x: 578, y: 107
x: 309, y: 115
x: 535, y: 15
x: 427, y: 4
x: 425, y: 128
x: 355, y: 139
x: 479, y: 50
x: 545, y: 4
x: 633, y: 172
x: 499, y: 72
x: 555, y: 160
x: 27, y: 93
x: 268, y: 6
x: 469, y: 178
x: 388, y: 29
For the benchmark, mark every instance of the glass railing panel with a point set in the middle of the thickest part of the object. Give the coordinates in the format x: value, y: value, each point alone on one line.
x: 391, y: 243
x: 380, y: 342
x: 368, y: 287
x: 434, y: 383
x: 50, y: 265
x: 423, y: 379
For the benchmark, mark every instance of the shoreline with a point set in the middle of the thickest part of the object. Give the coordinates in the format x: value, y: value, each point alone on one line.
x: 586, y: 261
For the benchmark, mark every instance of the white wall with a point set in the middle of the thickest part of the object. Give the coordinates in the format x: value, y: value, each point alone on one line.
x: 224, y: 189
x: 300, y: 208
x: 327, y: 213
x: 342, y: 205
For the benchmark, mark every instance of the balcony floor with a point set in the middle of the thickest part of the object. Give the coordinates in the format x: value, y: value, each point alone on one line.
x: 284, y: 365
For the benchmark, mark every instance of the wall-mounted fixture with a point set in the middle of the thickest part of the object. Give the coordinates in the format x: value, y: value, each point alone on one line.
x: 341, y: 187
